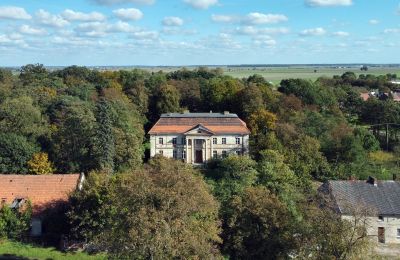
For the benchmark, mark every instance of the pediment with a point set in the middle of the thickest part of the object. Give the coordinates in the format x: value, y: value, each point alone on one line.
x: 199, y: 130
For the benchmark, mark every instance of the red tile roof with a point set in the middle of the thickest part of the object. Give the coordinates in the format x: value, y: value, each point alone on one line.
x: 218, y: 125
x: 364, y: 96
x: 42, y: 190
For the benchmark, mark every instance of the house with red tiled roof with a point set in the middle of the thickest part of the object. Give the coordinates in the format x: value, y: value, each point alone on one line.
x: 198, y: 137
x: 43, y: 191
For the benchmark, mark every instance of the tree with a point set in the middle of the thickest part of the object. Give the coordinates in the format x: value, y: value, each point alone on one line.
x: 246, y: 108
x: 230, y: 176
x: 151, y: 213
x: 258, y: 226
x: 32, y: 73
x: 165, y: 100
x: 104, y: 138
x: 15, y: 223
x: 15, y: 152
x: 40, y: 164
x: 20, y: 116
x: 262, y: 121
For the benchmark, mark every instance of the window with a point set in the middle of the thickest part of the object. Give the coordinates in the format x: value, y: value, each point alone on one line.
x: 223, y: 140
x: 184, y: 155
x: 215, y: 154
x: 237, y: 140
x: 183, y: 141
x: 398, y: 233
x: 224, y: 154
x: 174, y: 141
x: 160, y: 140
x: 175, y: 154
x: 238, y: 153
x: 380, y: 218
x: 190, y: 141
x: 161, y: 152
x: 215, y: 141
x: 199, y: 141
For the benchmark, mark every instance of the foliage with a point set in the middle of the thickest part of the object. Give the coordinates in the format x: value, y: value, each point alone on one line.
x: 15, y: 152
x: 151, y: 213
x: 40, y: 164
x: 15, y: 223
x: 258, y: 226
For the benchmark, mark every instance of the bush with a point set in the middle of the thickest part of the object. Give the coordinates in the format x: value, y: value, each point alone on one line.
x: 14, y: 223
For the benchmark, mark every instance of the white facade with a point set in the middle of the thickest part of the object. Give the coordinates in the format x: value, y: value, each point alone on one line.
x: 382, y: 229
x: 198, y: 145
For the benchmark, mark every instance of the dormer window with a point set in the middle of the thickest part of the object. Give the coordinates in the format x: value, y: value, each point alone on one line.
x: 380, y: 218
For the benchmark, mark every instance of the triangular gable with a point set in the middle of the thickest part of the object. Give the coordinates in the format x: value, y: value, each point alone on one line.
x: 199, y: 128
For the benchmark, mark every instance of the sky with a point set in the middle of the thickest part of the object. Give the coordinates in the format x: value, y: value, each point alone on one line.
x: 198, y: 32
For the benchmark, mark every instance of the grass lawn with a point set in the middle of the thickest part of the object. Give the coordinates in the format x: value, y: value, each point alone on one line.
x: 275, y: 75
x: 14, y: 250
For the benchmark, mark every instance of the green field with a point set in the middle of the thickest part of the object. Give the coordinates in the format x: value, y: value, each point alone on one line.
x: 13, y: 250
x: 276, y: 74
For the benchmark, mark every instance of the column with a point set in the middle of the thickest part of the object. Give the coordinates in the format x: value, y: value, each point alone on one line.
x: 205, y: 150
x: 186, y: 148
x: 193, y: 161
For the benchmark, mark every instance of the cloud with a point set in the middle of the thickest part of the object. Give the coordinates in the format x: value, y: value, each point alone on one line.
x: 391, y: 30
x: 373, y: 21
x: 264, y: 41
x: 328, y: 3
x: 259, y: 18
x: 172, y: 21
x: 201, y: 4
x: 101, y: 29
x: 313, y: 32
x: 250, y: 30
x: 114, y: 2
x: 250, y: 19
x: 26, y: 29
x: 45, y: 18
x: 71, y: 15
x: 176, y: 30
x: 146, y: 35
x: 224, y: 18
x: 14, y: 12
x: 341, y: 34
x: 128, y: 14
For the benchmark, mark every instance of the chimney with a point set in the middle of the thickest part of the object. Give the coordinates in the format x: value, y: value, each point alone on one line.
x: 226, y: 112
x: 352, y: 178
x: 186, y: 111
x: 210, y: 111
x: 372, y: 181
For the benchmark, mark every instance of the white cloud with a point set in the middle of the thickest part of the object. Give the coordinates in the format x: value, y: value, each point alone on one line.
x: 264, y: 41
x: 146, y: 35
x: 250, y: 30
x: 172, y: 21
x: 46, y: 18
x: 100, y: 29
x: 313, y: 32
x: 177, y: 30
x: 201, y: 4
x: 327, y: 3
x: 114, y: 2
x: 26, y: 29
x: 259, y: 18
x: 128, y: 14
x: 71, y: 15
x: 341, y: 34
x: 224, y: 18
x: 373, y: 21
x: 391, y: 30
x: 14, y: 12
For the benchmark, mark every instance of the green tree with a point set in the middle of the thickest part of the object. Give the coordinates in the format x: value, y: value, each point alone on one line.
x: 15, y: 152
x: 104, y: 138
x: 151, y: 213
x: 32, y: 73
x: 258, y: 226
x: 15, y: 223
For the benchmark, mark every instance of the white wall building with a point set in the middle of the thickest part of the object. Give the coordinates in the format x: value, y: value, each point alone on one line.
x: 380, y: 199
x: 197, y: 137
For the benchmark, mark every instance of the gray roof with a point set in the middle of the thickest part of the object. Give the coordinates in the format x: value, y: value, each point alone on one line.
x: 383, y: 198
x: 199, y: 115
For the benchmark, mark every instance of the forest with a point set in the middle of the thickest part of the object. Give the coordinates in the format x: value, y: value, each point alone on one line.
x: 303, y: 133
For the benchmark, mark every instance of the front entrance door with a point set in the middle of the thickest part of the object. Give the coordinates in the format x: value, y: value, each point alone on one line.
x: 381, y: 234
x: 199, y: 156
